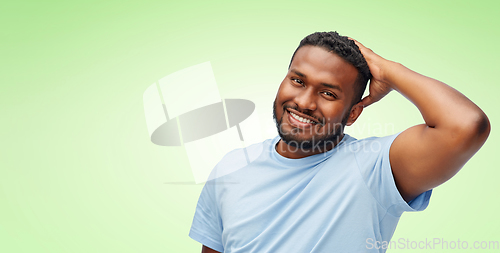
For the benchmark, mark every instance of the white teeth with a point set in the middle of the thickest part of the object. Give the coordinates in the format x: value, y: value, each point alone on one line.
x: 297, y: 117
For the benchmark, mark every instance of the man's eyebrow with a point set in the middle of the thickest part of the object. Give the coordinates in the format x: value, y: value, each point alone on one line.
x: 298, y: 73
x: 331, y: 86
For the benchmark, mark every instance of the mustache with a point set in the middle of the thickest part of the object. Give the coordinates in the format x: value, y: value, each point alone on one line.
x: 296, y: 108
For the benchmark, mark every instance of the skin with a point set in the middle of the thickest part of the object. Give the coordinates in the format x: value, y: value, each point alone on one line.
x: 319, y: 87
x: 206, y: 249
x: 423, y: 156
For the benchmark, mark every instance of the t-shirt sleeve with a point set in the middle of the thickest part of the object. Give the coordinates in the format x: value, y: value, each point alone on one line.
x: 207, y: 223
x: 375, y: 167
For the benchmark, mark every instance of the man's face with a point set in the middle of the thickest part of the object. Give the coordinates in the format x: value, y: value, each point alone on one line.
x: 313, y: 103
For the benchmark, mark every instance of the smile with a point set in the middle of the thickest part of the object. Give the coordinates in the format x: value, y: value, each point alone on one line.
x: 297, y: 117
x: 299, y: 121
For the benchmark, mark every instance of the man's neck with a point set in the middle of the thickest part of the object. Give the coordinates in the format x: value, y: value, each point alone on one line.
x: 296, y: 152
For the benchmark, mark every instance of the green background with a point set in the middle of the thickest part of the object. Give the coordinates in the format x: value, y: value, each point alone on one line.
x: 78, y: 172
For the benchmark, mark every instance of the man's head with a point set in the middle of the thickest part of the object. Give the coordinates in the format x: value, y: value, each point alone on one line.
x: 326, y: 79
x: 347, y: 50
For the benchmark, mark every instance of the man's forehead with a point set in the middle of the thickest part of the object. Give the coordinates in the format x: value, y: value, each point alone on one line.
x: 320, y: 53
x: 314, y: 60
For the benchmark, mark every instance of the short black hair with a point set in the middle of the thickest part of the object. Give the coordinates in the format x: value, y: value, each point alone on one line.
x: 347, y: 50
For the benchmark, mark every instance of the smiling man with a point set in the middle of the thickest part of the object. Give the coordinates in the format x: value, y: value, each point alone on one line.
x: 314, y: 188
x: 313, y: 121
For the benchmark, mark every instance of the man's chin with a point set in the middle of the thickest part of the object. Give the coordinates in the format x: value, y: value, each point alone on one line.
x: 307, y: 144
x: 303, y: 144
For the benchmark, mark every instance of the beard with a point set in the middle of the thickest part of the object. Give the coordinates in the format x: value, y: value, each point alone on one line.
x: 327, y: 136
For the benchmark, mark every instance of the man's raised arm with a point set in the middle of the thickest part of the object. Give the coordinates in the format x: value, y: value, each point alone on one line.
x: 425, y: 156
x: 206, y: 249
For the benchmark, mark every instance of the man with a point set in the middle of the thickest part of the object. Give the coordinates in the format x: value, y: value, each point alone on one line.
x: 316, y: 189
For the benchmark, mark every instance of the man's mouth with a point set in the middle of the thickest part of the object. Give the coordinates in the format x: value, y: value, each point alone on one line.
x: 297, y: 117
x: 300, y: 119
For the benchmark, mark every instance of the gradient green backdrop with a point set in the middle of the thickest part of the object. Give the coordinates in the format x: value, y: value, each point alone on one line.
x: 78, y: 172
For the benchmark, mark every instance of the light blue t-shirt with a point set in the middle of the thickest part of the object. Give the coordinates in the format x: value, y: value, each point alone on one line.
x: 338, y: 201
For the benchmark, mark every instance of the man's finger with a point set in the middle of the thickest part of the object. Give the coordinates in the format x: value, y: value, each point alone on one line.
x: 357, y: 43
x: 366, y: 101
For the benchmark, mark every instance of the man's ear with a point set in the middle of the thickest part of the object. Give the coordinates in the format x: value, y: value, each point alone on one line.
x: 354, y: 114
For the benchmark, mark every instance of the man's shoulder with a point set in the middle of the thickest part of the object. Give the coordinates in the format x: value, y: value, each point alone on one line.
x: 369, y: 144
x: 240, y: 158
x: 368, y: 154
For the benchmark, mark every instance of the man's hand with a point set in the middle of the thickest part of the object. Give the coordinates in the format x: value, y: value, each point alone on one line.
x: 425, y: 156
x: 379, y: 87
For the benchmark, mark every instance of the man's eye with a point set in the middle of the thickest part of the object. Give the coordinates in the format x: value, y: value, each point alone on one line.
x: 298, y: 81
x: 329, y: 94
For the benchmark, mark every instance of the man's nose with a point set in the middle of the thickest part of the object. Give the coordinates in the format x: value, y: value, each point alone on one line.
x: 305, y: 100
